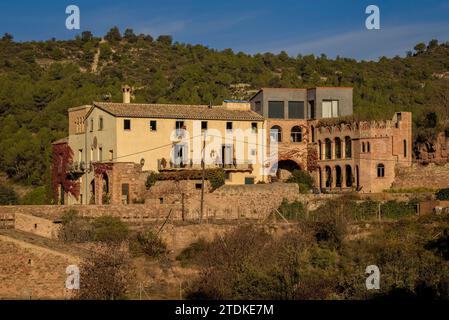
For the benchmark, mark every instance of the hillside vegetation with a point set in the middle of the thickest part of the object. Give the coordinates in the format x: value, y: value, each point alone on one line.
x: 39, y: 81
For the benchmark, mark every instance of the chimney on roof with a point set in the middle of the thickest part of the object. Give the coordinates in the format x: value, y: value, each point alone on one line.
x: 126, y: 90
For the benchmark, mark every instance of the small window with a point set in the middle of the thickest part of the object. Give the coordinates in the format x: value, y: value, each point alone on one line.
x: 229, y: 126
x: 35, y: 226
x: 405, y: 148
x: 198, y: 186
x: 127, y: 124
x: 296, y: 134
x: 161, y: 200
x: 227, y: 176
x: 125, y: 193
x: 100, y: 154
x: 111, y: 155
x: 179, y: 125
x: 363, y: 146
x: 249, y: 180
x: 368, y: 147
x: 254, y: 127
x: 153, y: 125
x: 100, y: 123
x: 91, y: 125
x: 203, y: 125
x: 380, y: 171
x: 276, y: 133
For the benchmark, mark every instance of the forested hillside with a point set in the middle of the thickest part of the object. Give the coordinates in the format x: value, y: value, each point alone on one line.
x: 39, y: 81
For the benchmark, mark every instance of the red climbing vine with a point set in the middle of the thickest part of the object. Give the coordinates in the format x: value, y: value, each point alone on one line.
x: 101, y: 168
x: 312, y: 159
x: 62, y: 157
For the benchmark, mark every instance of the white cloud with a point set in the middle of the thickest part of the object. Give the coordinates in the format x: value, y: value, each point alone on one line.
x: 363, y: 43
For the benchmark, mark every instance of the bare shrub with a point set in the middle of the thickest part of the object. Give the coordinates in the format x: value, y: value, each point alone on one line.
x: 106, y: 274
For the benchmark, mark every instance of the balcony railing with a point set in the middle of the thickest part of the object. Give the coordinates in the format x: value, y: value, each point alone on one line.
x: 77, y: 167
x: 171, y: 166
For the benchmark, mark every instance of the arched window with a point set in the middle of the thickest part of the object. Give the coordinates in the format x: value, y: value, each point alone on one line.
x: 328, y: 176
x: 328, y: 149
x: 338, y: 177
x: 276, y: 133
x: 405, y: 148
x: 363, y: 146
x: 368, y: 147
x: 312, y: 130
x: 296, y: 134
x: 380, y: 170
x: 338, y: 153
x: 348, y: 147
x: 348, y: 176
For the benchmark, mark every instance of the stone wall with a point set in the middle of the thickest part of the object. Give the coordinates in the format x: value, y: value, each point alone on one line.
x: 31, y: 271
x: 36, y: 225
x: 431, y: 176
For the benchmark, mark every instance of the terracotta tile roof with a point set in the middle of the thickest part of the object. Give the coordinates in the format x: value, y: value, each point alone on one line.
x: 176, y: 111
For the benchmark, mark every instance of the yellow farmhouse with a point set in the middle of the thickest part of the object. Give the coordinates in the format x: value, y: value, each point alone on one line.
x: 113, y: 146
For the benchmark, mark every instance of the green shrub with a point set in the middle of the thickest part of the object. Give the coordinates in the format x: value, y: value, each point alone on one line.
x: 303, y: 179
x: 396, y: 209
x: 151, y: 180
x: 109, y: 229
x: 216, y: 178
x: 150, y: 243
x: 37, y: 196
x: 75, y: 228
x: 292, y: 211
x: 192, y: 251
x: 7, y: 195
x: 442, y: 194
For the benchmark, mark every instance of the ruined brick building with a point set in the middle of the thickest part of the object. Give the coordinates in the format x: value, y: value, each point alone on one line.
x: 112, y: 147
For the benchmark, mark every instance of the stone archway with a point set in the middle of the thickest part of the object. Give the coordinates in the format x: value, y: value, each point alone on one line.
x: 285, y: 169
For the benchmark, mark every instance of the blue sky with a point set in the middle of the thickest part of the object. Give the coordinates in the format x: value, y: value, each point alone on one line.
x: 333, y: 27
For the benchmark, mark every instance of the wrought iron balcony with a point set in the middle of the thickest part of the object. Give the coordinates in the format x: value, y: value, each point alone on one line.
x: 77, y: 167
x: 164, y: 165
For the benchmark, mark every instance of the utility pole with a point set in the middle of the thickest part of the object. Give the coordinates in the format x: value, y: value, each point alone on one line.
x: 203, y: 175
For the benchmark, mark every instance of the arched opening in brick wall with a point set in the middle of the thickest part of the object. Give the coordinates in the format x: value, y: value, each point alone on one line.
x: 338, y: 153
x: 285, y: 169
x: 349, y: 181
x: 328, y: 149
x: 328, y: 171
x: 338, y: 177
x: 348, y: 147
